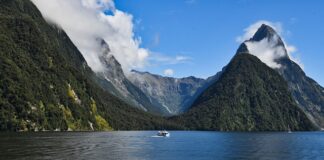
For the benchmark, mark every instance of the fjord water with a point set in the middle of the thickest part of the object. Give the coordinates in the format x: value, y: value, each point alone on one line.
x: 143, y: 145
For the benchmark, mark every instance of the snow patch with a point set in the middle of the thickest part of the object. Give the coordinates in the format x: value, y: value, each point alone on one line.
x: 167, y: 108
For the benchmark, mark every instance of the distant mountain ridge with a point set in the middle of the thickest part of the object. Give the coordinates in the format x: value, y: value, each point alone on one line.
x: 113, y: 80
x: 175, y: 95
x: 149, y: 92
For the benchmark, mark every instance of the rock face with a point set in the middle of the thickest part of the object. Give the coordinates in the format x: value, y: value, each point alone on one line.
x: 46, y: 84
x: 307, y: 93
x: 174, y: 95
x: 248, y: 96
x: 113, y: 80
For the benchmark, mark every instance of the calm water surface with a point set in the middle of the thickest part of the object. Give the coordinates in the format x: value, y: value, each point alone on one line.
x: 143, y: 145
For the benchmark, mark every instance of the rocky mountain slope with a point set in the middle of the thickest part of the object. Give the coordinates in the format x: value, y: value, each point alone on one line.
x: 174, y: 95
x: 45, y: 83
x: 113, y: 80
x: 152, y: 93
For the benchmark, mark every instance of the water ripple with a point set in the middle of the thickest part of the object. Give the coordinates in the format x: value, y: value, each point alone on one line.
x: 181, y: 145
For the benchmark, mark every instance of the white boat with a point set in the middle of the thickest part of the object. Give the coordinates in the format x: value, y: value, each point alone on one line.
x: 289, y: 130
x: 163, y: 133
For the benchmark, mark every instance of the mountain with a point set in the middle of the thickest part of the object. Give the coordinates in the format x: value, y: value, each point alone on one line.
x: 308, y: 94
x: 46, y: 84
x: 174, y: 95
x: 248, y: 96
x: 113, y: 80
x: 152, y: 93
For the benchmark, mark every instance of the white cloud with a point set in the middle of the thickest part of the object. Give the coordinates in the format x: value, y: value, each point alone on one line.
x: 99, y: 4
x: 161, y: 59
x: 182, y: 58
x: 84, y: 22
x: 267, y: 50
x: 168, y: 72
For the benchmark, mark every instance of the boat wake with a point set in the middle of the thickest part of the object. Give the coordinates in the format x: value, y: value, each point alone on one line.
x: 157, y: 136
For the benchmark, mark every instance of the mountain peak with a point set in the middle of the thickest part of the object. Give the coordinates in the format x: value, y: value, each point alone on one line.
x: 108, y: 60
x: 264, y: 31
x: 105, y: 49
x: 242, y: 49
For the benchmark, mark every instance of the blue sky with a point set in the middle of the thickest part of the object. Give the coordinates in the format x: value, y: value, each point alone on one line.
x: 203, y: 32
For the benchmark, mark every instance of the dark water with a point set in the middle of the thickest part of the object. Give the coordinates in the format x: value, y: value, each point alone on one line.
x: 181, y: 145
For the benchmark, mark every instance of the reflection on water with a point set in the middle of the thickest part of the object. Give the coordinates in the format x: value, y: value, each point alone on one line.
x: 181, y: 145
